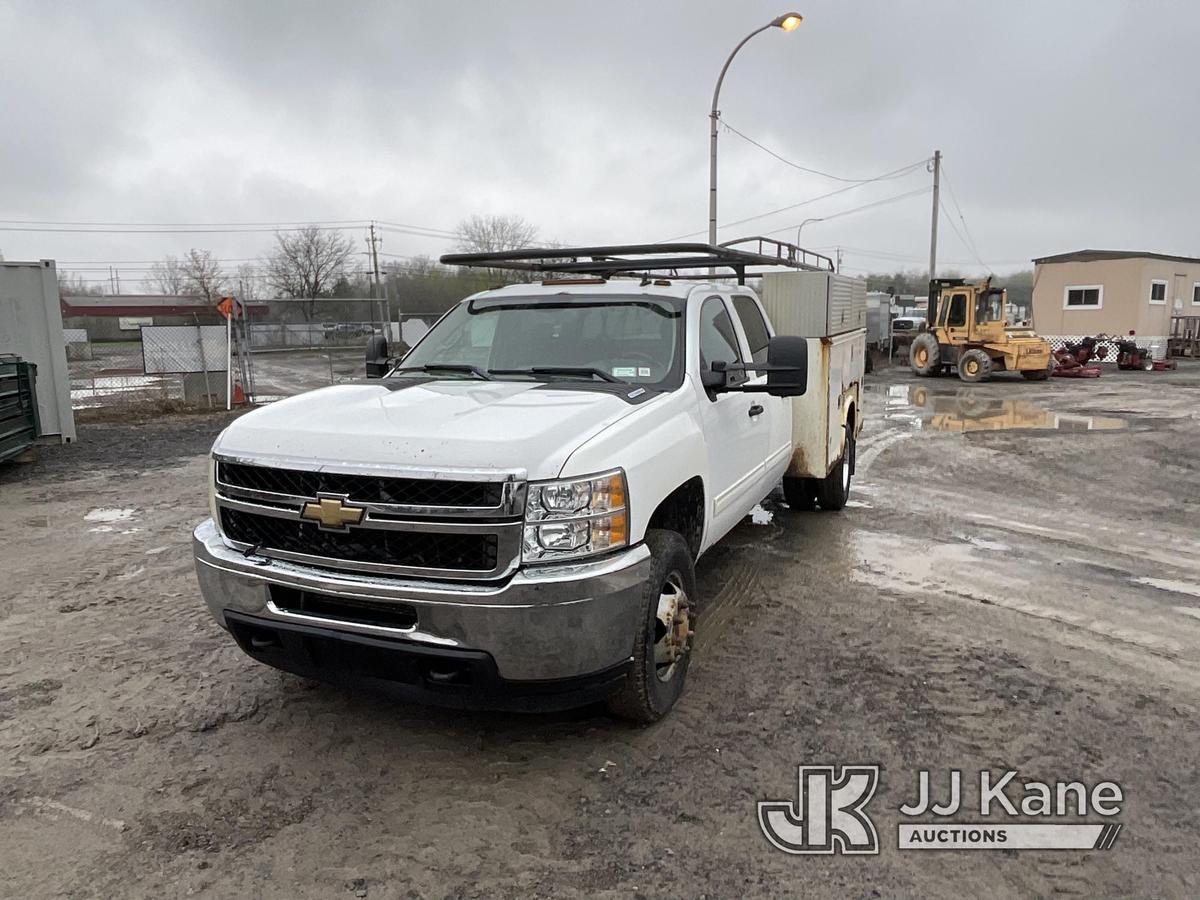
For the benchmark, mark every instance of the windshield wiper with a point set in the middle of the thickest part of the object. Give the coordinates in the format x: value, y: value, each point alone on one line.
x: 561, y: 370
x: 449, y: 367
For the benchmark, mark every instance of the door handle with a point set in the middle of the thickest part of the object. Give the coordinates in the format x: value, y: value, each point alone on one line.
x: 756, y: 410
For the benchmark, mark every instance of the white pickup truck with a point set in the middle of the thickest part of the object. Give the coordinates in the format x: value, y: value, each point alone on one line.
x: 511, y: 515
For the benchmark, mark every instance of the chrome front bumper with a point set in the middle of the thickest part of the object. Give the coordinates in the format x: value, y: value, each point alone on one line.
x: 543, y: 623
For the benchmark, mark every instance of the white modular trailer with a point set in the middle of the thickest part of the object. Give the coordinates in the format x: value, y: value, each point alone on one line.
x: 31, y: 327
x: 815, y: 304
x: 820, y: 306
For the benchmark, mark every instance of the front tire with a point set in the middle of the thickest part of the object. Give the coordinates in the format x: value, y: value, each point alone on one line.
x: 662, y: 648
x: 925, y: 354
x: 834, y: 489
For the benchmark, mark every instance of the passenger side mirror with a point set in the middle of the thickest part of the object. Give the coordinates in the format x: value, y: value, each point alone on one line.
x: 787, y: 366
x: 378, y: 363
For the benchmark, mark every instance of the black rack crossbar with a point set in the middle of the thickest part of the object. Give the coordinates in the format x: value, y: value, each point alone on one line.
x: 649, y: 260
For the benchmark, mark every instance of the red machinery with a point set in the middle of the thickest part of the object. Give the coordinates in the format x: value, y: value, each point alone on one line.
x: 1131, y: 356
x: 1072, y: 361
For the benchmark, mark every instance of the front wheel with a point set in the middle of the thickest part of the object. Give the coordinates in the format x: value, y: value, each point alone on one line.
x: 1148, y: 363
x: 925, y: 354
x: 834, y: 489
x: 662, y: 647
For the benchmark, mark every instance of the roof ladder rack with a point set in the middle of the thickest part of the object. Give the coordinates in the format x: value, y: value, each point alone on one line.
x: 682, y: 261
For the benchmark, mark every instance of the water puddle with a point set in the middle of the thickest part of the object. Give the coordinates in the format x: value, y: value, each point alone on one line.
x: 916, y: 406
x: 108, y: 514
x: 108, y: 518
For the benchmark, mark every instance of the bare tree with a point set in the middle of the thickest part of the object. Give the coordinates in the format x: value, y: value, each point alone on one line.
x: 75, y: 285
x: 248, y: 288
x: 307, y: 263
x: 493, y: 234
x: 202, y: 274
x: 166, y: 276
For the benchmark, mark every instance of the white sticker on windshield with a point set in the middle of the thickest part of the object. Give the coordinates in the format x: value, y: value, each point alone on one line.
x: 624, y: 371
x: 643, y: 371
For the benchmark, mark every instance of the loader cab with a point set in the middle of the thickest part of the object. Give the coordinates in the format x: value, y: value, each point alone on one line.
x: 968, y: 313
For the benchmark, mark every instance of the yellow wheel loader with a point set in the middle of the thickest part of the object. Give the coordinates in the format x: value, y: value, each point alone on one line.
x: 968, y: 331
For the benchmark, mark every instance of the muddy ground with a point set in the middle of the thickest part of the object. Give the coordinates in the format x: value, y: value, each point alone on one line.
x: 1016, y: 585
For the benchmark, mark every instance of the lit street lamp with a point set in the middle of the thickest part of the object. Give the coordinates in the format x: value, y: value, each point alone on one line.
x: 788, y: 22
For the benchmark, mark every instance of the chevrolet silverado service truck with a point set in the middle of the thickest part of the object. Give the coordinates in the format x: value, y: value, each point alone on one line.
x: 509, y: 517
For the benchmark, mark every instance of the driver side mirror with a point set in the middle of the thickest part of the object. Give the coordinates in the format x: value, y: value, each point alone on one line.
x: 786, y: 369
x: 787, y: 366
x: 715, y: 378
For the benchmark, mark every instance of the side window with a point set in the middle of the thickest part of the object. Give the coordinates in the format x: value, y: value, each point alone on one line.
x: 718, y: 340
x: 957, y: 317
x: 752, y: 323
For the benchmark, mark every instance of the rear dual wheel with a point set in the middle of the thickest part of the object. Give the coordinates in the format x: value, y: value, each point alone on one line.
x: 830, y: 492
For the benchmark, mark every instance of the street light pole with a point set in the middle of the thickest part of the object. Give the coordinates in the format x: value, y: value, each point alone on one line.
x: 787, y: 22
x: 801, y: 228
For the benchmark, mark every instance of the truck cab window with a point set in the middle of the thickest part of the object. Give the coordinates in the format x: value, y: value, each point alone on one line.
x: 753, y: 325
x: 957, y: 314
x: 718, y: 339
x: 987, y: 306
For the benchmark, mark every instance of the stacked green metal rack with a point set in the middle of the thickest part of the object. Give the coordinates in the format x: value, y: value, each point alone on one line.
x: 19, y: 425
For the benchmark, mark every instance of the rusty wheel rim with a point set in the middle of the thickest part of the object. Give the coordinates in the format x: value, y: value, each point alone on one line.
x: 673, y: 627
x: 972, y: 367
x: 921, y: 356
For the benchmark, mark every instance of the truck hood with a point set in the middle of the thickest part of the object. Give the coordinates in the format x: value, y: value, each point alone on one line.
x: 501, y: 425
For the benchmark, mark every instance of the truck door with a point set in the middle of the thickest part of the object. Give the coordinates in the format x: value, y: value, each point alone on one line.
x: 777, y: 417
x: 733, y: 423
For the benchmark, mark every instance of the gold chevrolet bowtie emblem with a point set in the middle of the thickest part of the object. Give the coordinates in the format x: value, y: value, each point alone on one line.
x: 332, y: 512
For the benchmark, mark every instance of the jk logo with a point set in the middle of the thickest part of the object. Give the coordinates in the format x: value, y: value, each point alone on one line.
x: 829, y: 816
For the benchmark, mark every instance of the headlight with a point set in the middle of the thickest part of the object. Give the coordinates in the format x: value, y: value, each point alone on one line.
x: 574, y: 518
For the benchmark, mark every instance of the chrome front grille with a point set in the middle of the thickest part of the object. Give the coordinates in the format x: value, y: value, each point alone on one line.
x: 460, y: 526
x: 417, y: 492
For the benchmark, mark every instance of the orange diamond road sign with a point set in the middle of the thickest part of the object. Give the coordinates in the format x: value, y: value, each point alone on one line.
x: 228, y: 307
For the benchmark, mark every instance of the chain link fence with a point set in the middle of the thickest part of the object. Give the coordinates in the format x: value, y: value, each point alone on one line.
x: 281, y: 347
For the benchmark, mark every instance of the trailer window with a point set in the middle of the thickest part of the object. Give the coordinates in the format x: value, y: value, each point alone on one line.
x: 753, y: 324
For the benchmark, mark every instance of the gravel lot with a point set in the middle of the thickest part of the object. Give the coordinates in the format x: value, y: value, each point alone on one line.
x: 1015, y: 586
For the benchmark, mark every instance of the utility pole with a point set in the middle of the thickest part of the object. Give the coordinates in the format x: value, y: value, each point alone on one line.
x: 839, y: 259
x: 383, y: 319
x: 937, y: 184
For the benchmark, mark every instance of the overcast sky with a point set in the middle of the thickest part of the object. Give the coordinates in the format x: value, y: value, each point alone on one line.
x: 1063, y: 124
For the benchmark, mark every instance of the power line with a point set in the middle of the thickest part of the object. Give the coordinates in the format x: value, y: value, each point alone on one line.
x: 170, y: 230
x: 894, y: 173
x: 846, y: 212
x: 348, y: 222
x: 796, y: 165
x: 974, y: 249
x: 961, y: 239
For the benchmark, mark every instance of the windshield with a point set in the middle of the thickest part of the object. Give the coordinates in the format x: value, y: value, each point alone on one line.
x: 609, y: 339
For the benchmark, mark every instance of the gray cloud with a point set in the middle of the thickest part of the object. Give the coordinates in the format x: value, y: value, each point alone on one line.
x: 1064, y: 125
